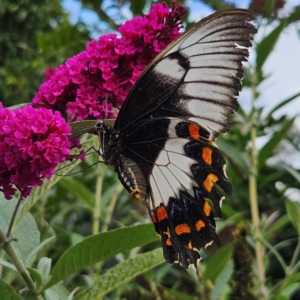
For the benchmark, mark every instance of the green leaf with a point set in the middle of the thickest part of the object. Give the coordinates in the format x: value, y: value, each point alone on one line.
x: 233, y: 153
x: 79, y: 190
x: 8, y: 265
x: 221, y: 283
x: 44, y: 267
x: 64, y: 169
x: 100, y: 247
x: 137, y: 6
x: 293, y: 211
x: 176, y: 294
x: 57, y: 292
x: 292, y: 171
x: 21, y: 105
x: 267, y: 150
x: 217, y: 263
x: 7, y: 292
x: 36, y: 276
x: 41, y: 246
x: 122, y: 273
x: 266, y: 46
x: 27, y: 234
x: 79, y: 128
x: 283, y: 103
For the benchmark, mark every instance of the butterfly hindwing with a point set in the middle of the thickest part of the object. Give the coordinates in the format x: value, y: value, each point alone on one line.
x: 162, y: 144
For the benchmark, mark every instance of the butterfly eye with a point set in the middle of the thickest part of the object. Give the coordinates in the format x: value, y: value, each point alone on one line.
x: 99, y: 124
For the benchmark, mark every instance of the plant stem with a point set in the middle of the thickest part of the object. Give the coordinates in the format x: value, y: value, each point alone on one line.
x: 97, y: 213
x: 253, y: 191
x: 295, y: 256
x: 15, y: 259
x: 13, y: 218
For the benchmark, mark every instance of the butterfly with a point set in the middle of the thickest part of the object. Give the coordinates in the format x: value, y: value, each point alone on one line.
x: 162, y: 143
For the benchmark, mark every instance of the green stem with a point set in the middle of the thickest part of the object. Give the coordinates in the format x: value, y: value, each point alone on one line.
x: 97, y: 213
x: 15, y: 259
x: 295, y: 256
x: 13, y: 218
x: 253, y: 191
x: 110, y: 210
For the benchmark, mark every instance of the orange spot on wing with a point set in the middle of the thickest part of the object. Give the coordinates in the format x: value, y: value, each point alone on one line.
x: 207, y: 155
x: 182, y: 228
x: 199, y: 225
x: 194, y: 131
x: 206, y: 208
x: 168, y: 242
x: 161, y: 213
x: 190, y: 245
x: 209, y: 181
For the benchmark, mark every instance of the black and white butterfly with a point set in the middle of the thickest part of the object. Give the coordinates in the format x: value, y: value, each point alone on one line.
x: 162, y: 143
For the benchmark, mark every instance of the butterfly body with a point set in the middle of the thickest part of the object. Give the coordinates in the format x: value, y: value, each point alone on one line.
x: 162, y: 143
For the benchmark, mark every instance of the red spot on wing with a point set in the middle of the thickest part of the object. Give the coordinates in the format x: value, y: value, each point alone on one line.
x: 168, y: 242
x: 194, y: 131
x: 161, y: 213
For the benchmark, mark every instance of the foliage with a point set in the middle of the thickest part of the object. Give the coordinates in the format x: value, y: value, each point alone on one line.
x: 122, y: 259
x: 34, y: 35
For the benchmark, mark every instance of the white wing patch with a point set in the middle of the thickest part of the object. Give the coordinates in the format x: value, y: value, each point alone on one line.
x: 172, y: 174
x: 170, y: 68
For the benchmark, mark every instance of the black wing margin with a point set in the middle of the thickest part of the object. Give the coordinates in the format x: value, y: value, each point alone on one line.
x: 197, y: 77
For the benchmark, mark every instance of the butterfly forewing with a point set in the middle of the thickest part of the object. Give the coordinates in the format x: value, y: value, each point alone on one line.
x: 164, y: 150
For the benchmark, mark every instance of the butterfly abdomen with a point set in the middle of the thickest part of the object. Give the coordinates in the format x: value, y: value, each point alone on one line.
x: 131, y: 177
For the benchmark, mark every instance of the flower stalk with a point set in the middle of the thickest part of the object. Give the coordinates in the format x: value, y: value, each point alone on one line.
x: 17, y: 262
x: 253, y: 190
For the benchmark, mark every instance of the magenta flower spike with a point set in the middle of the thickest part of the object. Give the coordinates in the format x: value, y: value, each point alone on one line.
x: 32, y: 143
x: 95, y: 83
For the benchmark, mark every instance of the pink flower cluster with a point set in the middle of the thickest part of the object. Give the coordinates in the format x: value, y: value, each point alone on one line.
x: 91, y: 85
x: 95, y: 83
x: 32, y: 143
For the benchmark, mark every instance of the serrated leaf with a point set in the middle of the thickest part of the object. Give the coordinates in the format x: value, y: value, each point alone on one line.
x: 27, y: 234
x: 65, y: 168
x: 7, y: 292
x: 100, y: 247
x: 267, y: 150
x: 121, y: 274
x: 218, y: 262
x: 293, y: 211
